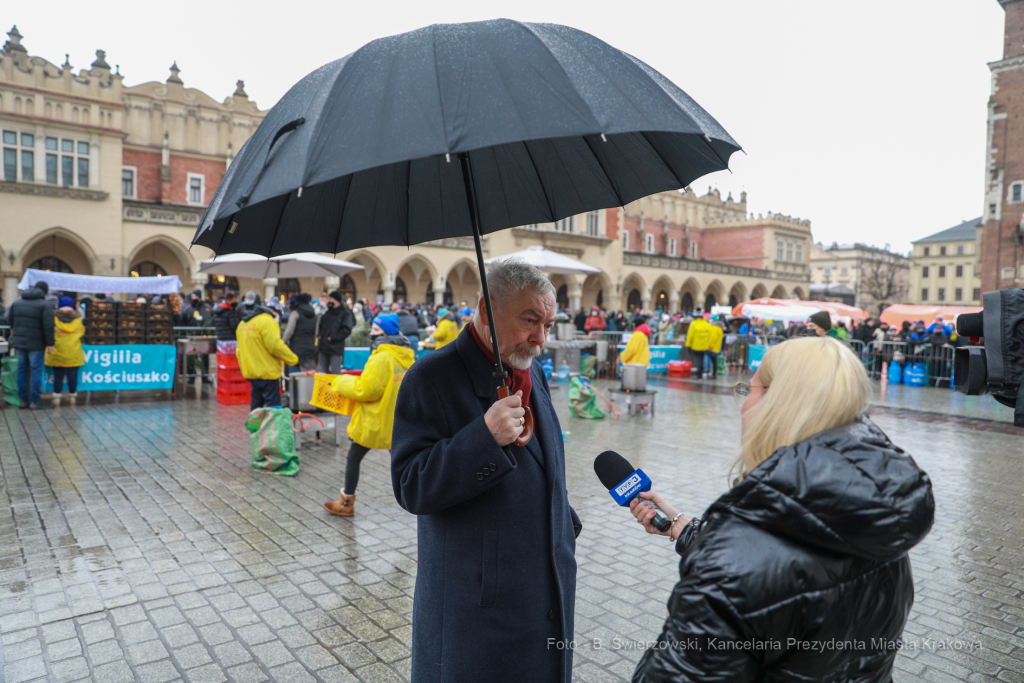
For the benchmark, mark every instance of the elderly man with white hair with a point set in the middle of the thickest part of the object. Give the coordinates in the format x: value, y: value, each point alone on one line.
x: 496, y: 582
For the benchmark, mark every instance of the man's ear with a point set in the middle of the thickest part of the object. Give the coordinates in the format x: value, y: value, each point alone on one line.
x: 481, y: 312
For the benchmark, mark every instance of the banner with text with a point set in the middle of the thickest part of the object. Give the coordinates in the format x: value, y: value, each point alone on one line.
x: 123, y: 367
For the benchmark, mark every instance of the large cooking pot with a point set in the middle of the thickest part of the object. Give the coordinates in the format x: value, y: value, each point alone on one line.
x: 565, y: 331
x: 634, y: 377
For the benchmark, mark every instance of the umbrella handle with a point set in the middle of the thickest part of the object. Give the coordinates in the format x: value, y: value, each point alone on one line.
x: 527, y: 434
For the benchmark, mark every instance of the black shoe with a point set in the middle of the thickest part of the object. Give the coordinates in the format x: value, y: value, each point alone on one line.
x: 24, y: 405
x: 41, y: 405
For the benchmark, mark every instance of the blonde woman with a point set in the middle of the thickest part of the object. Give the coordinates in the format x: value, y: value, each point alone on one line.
x: 808, y: 548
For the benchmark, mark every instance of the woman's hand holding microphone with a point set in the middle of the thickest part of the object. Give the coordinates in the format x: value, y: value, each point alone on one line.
x: 645, y: 514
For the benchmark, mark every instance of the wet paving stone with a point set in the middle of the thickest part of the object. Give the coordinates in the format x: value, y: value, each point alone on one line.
x: 137, y: 543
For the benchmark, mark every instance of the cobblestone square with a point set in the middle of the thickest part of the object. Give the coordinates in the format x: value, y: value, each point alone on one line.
x: 137, y: 543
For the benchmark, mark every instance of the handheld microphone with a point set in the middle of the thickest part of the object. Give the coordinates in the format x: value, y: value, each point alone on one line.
x: 625, y: 483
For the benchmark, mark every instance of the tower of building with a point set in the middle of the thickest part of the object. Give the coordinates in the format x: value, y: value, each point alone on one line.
x: 1002, y: 234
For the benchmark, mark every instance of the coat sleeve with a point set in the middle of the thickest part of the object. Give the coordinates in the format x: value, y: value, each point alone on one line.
x: 293, y: 320
x: 689, y: 649
x: 271, y: 333
x: 369, y: 386
x: 49, y: 325
x: 431, y: 471
x: 630, y: 352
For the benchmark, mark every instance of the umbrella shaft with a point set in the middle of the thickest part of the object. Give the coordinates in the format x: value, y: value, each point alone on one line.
x: 467, y: 177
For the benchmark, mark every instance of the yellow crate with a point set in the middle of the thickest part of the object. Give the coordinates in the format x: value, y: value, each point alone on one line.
x: 325, y: 398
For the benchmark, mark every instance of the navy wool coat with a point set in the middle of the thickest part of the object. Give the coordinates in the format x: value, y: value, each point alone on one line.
x: 496, y: 581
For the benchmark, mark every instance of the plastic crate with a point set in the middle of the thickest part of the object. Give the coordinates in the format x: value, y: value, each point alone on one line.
x: 228, y: 398
x: 159, y: 337
x: 131, y: 324
x: 98, y: 341
x: 679, y: 368
x: 129, y: 306
x: 326, y: 399
x: 227, y: 361
x: 105, y: 314
x: 102, y: 306
x: 233, y: 385
x: 162, y: 316
x: 134, y: 316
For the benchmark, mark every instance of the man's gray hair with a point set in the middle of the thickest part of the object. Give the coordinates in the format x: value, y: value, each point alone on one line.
x: 508, y: 277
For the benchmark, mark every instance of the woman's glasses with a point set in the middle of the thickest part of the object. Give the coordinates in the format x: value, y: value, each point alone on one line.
x: 742, y: 390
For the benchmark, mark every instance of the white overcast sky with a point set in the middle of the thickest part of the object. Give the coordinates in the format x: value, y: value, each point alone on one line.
x: 866, y: 117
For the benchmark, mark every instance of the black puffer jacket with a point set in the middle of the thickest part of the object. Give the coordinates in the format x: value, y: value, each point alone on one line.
x: 225, y: 319
x: 303, y: 340
x: 31, y: 321
x: 811, y: 546
x: 335, y: 327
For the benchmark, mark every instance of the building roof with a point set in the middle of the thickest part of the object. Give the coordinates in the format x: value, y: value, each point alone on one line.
x: 966, y: 231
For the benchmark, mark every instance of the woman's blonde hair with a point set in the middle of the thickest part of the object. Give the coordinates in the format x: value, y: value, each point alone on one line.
x: 814, y: 384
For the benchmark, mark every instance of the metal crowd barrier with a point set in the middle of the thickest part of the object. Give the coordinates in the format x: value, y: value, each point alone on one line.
x: 937, y: 360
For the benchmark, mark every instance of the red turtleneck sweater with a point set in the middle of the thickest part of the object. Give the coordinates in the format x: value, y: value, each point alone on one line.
x: 518, y: 380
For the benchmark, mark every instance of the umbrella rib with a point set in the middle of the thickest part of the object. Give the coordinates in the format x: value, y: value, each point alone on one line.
x: 597, y: 159
x: 533, y: 162
x: 671, y: 170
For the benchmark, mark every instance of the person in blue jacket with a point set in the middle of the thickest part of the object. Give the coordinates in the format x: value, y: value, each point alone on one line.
x: 496, y: 580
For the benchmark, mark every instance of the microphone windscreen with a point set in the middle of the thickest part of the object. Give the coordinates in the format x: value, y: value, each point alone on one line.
x: 970, y: 325
x: 612, y: 469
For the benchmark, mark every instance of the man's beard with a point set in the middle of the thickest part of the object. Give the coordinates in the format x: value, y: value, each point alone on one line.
x: 522, y: 356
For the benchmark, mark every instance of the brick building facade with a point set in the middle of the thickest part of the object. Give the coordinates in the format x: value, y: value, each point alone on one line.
x: 1002, y: 236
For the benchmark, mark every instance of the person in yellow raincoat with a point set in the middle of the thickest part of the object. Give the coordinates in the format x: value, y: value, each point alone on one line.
x: 638, y: 350
x: 260, y: 351
x: 67, y: 355
x: 716, y: 333
x: 375, y: 392
x: 447, y: 328
x: 698, y: 339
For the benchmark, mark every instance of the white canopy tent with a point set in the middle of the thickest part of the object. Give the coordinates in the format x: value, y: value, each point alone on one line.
x: 70, y: 282
x: 548, y: 261
x: 304, y: 264
x: 781, y: 313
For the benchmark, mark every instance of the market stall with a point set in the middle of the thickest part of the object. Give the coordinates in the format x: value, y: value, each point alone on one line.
x: 128, y: 346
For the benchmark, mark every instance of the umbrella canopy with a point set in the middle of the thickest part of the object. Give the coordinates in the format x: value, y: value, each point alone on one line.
x: 308, y: 264
x: 764, y: 301
x: 459, y: 129
x: 897, y: 313
x: 783, y: 313
x: 548, y: 261
x: 839, y: 310
x: 364, y: 150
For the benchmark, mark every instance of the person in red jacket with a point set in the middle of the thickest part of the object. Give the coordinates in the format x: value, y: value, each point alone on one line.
x: 595, y: 321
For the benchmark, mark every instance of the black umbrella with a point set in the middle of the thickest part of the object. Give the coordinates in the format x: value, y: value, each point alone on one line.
x: 459, y: 129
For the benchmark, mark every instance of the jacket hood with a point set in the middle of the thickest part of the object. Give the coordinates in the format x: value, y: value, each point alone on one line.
x: 848, y: 491
x: 34, y: 293
x: 223, y: 309
x: 67, y: 315
x: 305, y: 310
x: 402, y: 353
x: 248, y: 313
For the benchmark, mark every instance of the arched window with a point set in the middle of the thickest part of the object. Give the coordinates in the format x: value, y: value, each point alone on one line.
x: 51, y: 264
x: 348, y: 287
x: 562, y: 297
x: 147, y: 269
x: 219, y: 285
x: 449, y: 296
x: 600, y: 298
x: 687, y: 303
x: 288, y: 286
x: 400, y: 294
x: 661, y: 301
x: 733, y: 300
x: 710, y: 302
x: 634, y: 301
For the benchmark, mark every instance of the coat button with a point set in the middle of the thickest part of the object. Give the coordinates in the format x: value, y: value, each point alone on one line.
x: 479, y: 475
x: 551, y: 615
x: 487, y: 472
x: 493, y: 467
